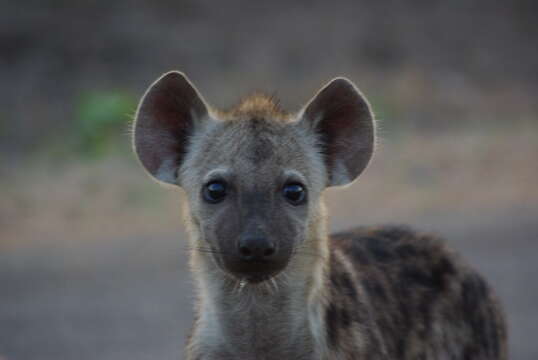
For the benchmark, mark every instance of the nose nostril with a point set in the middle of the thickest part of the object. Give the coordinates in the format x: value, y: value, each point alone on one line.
x: 254, y: 249
x: 245, y: 251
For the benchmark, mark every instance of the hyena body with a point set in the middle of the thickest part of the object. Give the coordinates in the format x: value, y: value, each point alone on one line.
x: 271, y: 283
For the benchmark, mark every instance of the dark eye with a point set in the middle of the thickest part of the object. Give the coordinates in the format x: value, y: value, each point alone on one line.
x: 294, y: 193
x: 214, y: 192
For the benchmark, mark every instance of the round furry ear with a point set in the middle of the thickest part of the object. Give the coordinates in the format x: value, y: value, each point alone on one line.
x: 167, y: 115
x: 342, y: 119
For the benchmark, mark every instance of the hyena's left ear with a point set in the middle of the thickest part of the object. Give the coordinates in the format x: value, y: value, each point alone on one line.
x: 341, y: 118
x: 167, y: 116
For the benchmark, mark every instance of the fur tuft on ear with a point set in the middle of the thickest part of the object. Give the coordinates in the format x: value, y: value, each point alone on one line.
x: 167, y: 115
x: 342, y: 119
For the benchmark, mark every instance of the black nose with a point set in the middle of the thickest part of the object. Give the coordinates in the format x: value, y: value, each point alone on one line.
x: 256, y: 248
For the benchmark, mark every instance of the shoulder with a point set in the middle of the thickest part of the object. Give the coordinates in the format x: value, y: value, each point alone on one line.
x: 389, y: 243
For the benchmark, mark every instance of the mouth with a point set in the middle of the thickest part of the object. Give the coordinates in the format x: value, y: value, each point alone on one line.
x: 254, y: 273
x: 257, y: 278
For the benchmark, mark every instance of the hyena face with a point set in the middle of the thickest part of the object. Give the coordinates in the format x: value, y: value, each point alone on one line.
x: 251, y: 189
x: 253, y: 175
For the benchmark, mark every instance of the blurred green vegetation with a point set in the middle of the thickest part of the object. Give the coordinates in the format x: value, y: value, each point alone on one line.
x: 101, y: 119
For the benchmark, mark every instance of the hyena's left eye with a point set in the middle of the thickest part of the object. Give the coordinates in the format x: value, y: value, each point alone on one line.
x: 294, y: 193
x: 214, y: 192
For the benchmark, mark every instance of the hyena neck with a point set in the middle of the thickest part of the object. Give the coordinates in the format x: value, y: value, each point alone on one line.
x: 279, y: 317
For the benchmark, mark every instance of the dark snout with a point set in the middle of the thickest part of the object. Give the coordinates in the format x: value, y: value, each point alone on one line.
x: 257, y: 258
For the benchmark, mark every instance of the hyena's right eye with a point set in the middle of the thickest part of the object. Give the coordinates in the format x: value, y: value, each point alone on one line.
x: 214, y: 192
x: 295, y: 193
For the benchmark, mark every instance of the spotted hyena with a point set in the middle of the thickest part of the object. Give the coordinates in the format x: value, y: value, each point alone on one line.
x: 271, y: 283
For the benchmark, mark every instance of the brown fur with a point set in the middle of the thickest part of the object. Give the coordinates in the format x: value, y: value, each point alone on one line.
x: 371, y: 293
x: 256, y: 105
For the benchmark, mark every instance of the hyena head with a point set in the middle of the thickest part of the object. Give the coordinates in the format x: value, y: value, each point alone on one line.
x: 253, y: 175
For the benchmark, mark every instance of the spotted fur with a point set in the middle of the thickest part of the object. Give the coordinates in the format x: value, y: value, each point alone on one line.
x: 369, y: 293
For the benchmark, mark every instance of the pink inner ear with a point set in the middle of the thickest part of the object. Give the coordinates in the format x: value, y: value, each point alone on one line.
x: 165, y: 120
x: 344, y: 122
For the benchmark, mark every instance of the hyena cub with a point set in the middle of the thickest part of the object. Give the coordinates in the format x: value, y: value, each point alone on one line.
x: 271, y: 283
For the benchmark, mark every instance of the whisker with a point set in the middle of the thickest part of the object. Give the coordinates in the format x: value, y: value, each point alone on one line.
x: 274, y: 283
x: 206, y: 250
x: 242, y: 284
x: 300, y: 250
x: 310, y: 254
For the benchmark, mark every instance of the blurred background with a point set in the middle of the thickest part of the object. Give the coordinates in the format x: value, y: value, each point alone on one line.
x: 92, y: 252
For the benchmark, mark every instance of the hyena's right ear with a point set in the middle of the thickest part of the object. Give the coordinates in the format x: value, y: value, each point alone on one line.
x: 341, y: 118
x: 167, y: 116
